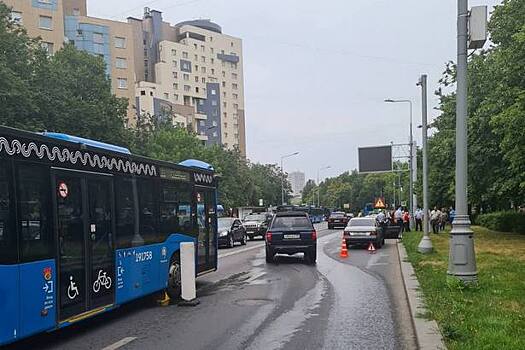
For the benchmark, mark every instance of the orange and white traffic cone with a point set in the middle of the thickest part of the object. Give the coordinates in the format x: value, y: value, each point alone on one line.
x: 344, y: 249
x: 371, y: 248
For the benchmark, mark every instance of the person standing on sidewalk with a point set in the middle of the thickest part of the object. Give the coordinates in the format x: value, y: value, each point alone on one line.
x: 443, y: 219
x: 399, y: 218
x: 419, y: 219
x: 406, y: 221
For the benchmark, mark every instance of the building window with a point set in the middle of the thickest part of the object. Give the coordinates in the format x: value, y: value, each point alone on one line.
x: 121, y: 63
x: 224, y: 104
x: 235, y: 106
x: 120, y: 43
x: 197, y: 89
x: 175, y: 86
x: 122, y: 83
x: 203, y: 69
x: 214, y: 102
x: 184, y: 54
x: 235, y: 96
x: 212, y: 61
x: 211, y: 38
x: 175, y: 75
x: 203, y: 80
x: 223, y: 74
x: 98, y: 38
x: 234, y: 86
x: 174, y: 64
x: 45, y: 22
x: 174, y: 52
x: 186, y: 77
x: 98, y: 48
x: 175, y: 97
x: 225, y: 115
x: 213, y: 71
x: 45, y: 1
x: 231, y: 44
x: 214, y: 123
x: 234, y: 75
x: 49, y: 47
x: 215, y: 134
x: 196, y: 57
x: 195, y: 46
x: 213, y: 92
x: 203, y: 59
x: 225, y: 125
x: 225, y: 135
x: 196, y: 79
x: 224, y: 93
x: 142, y: 93
x: 223, y: 84
x: 76, y: 12
x: 201, y: 102
x: 202, y: 48
x: 222, y: 52
x: 166, y: 96
x: 202, y: 123
x: 211, y: 49
x: 187, y: 88
x: 16, y: 17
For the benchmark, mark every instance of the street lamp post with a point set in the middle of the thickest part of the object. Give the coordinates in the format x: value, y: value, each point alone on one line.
x: 425, y: 246
x: 462, y: 260
x: 318, y: 189
x: 412, y: 163
x: 282, y: 174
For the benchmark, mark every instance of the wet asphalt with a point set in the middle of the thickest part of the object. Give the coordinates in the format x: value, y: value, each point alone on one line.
x: 353, y: 303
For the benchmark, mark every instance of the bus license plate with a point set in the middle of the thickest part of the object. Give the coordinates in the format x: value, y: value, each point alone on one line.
x: 292, y: 236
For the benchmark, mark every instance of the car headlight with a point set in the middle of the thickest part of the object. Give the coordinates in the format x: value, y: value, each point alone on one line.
x: 223, y: 233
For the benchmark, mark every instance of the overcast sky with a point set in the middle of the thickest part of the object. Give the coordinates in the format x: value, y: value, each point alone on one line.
x: 316, y: 72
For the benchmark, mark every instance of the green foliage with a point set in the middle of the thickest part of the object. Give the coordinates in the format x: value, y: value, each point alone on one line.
x: 49, y: 93
x: 503, y: 221
x: 496, y: 126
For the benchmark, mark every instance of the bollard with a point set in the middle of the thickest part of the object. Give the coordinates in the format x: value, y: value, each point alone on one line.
x: 187, y: 266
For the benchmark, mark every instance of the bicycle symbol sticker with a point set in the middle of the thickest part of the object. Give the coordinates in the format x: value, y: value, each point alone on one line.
x: 72, y: 289
x: 102, y: 280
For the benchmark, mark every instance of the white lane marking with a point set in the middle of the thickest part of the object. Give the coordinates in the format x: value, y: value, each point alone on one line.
x: 254, y: 277
x: 120, y: 343
x: 241, y: 250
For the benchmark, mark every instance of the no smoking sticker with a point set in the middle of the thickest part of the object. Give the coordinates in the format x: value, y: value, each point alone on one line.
x: 63, y: 191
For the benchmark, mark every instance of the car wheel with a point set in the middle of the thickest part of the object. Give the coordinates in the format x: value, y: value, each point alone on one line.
x: 231, y: 242
x: 269, y: 256
x: 312, y: 256
x: 244, y: 240
x: 174, y: 288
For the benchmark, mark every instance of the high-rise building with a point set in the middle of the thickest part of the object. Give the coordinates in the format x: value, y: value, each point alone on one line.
x: 192, y: 71
x: 297, y: 180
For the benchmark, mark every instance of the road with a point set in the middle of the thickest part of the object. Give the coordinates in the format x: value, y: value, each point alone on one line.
x: 353, y: 303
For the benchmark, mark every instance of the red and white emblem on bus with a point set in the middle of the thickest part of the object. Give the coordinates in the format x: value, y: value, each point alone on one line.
x: 63, y: 191
x: 47, y: 273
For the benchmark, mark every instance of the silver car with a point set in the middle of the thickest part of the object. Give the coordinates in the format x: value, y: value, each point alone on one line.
x: 364, y: 231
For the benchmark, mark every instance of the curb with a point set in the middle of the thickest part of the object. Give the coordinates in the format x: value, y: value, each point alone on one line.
x: 427, y: 331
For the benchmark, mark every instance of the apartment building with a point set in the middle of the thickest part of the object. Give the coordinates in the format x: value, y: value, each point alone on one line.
x: 297, y: 181
x: 41, y: 18
x: 192, y: 70
x: 60, y: 21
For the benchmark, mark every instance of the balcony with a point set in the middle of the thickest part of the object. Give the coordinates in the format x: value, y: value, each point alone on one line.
x: 201, y: 116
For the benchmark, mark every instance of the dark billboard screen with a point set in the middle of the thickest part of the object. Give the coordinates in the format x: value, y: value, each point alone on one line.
x: 375, y: 159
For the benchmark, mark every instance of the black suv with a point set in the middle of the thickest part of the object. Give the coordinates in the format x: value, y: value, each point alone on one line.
x: 256, y: 224
x: 289, y: 233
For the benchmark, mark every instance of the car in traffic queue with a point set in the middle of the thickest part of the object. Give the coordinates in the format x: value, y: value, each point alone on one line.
x: 231, y: 230
x: 337, y: 219
x: 291, y: 232
x: 256, y: 225
x: 363, y: 231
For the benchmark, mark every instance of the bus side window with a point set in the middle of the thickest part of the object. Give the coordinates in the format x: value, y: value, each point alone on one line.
x: 148, y: 211
x: 175, y: 208
x: 125, y: 216
x: 8, y: 245
x: 34, y: 206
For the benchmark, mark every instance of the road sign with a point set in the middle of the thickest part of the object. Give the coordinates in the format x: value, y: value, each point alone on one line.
x: 375, y: 159
x: 346, y: 206
x: 261, y: 202
x: 379, y: 203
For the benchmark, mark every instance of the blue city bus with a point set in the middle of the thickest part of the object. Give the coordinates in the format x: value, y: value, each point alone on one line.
x: 87, y: 226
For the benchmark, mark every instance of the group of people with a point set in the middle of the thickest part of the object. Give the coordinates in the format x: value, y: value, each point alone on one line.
x: 401, y: 216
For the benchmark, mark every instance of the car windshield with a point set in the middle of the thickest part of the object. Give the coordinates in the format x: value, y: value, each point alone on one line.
x: 257, y: 217
x: 362, y: 222
x: 291, y: 223
x: 225, y: 223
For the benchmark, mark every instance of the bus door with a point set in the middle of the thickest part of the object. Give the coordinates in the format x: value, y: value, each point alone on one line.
x: 207, y: 230
x: 84, y: 209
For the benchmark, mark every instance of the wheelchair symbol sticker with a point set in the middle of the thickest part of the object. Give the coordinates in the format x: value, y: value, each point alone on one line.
x: 72, y: 289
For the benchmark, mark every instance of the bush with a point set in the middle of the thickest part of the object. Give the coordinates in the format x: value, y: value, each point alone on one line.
x: 506, y: 221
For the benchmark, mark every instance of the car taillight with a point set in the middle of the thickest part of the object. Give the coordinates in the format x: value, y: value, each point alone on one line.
x: 314, y: 235
x: 269, y: 236
x: 373, y: 233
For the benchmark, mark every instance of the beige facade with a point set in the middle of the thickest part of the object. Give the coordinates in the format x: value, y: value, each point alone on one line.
x: 41, y: 18
x: 193, y: 64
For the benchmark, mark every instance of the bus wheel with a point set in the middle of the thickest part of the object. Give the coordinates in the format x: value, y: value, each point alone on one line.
x: 174, y: 278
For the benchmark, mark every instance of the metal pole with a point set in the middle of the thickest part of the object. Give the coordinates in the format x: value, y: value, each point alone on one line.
x: 282, y: 181
x: 462, y: 259
x: 425, y: 246
x: 411, y: 164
